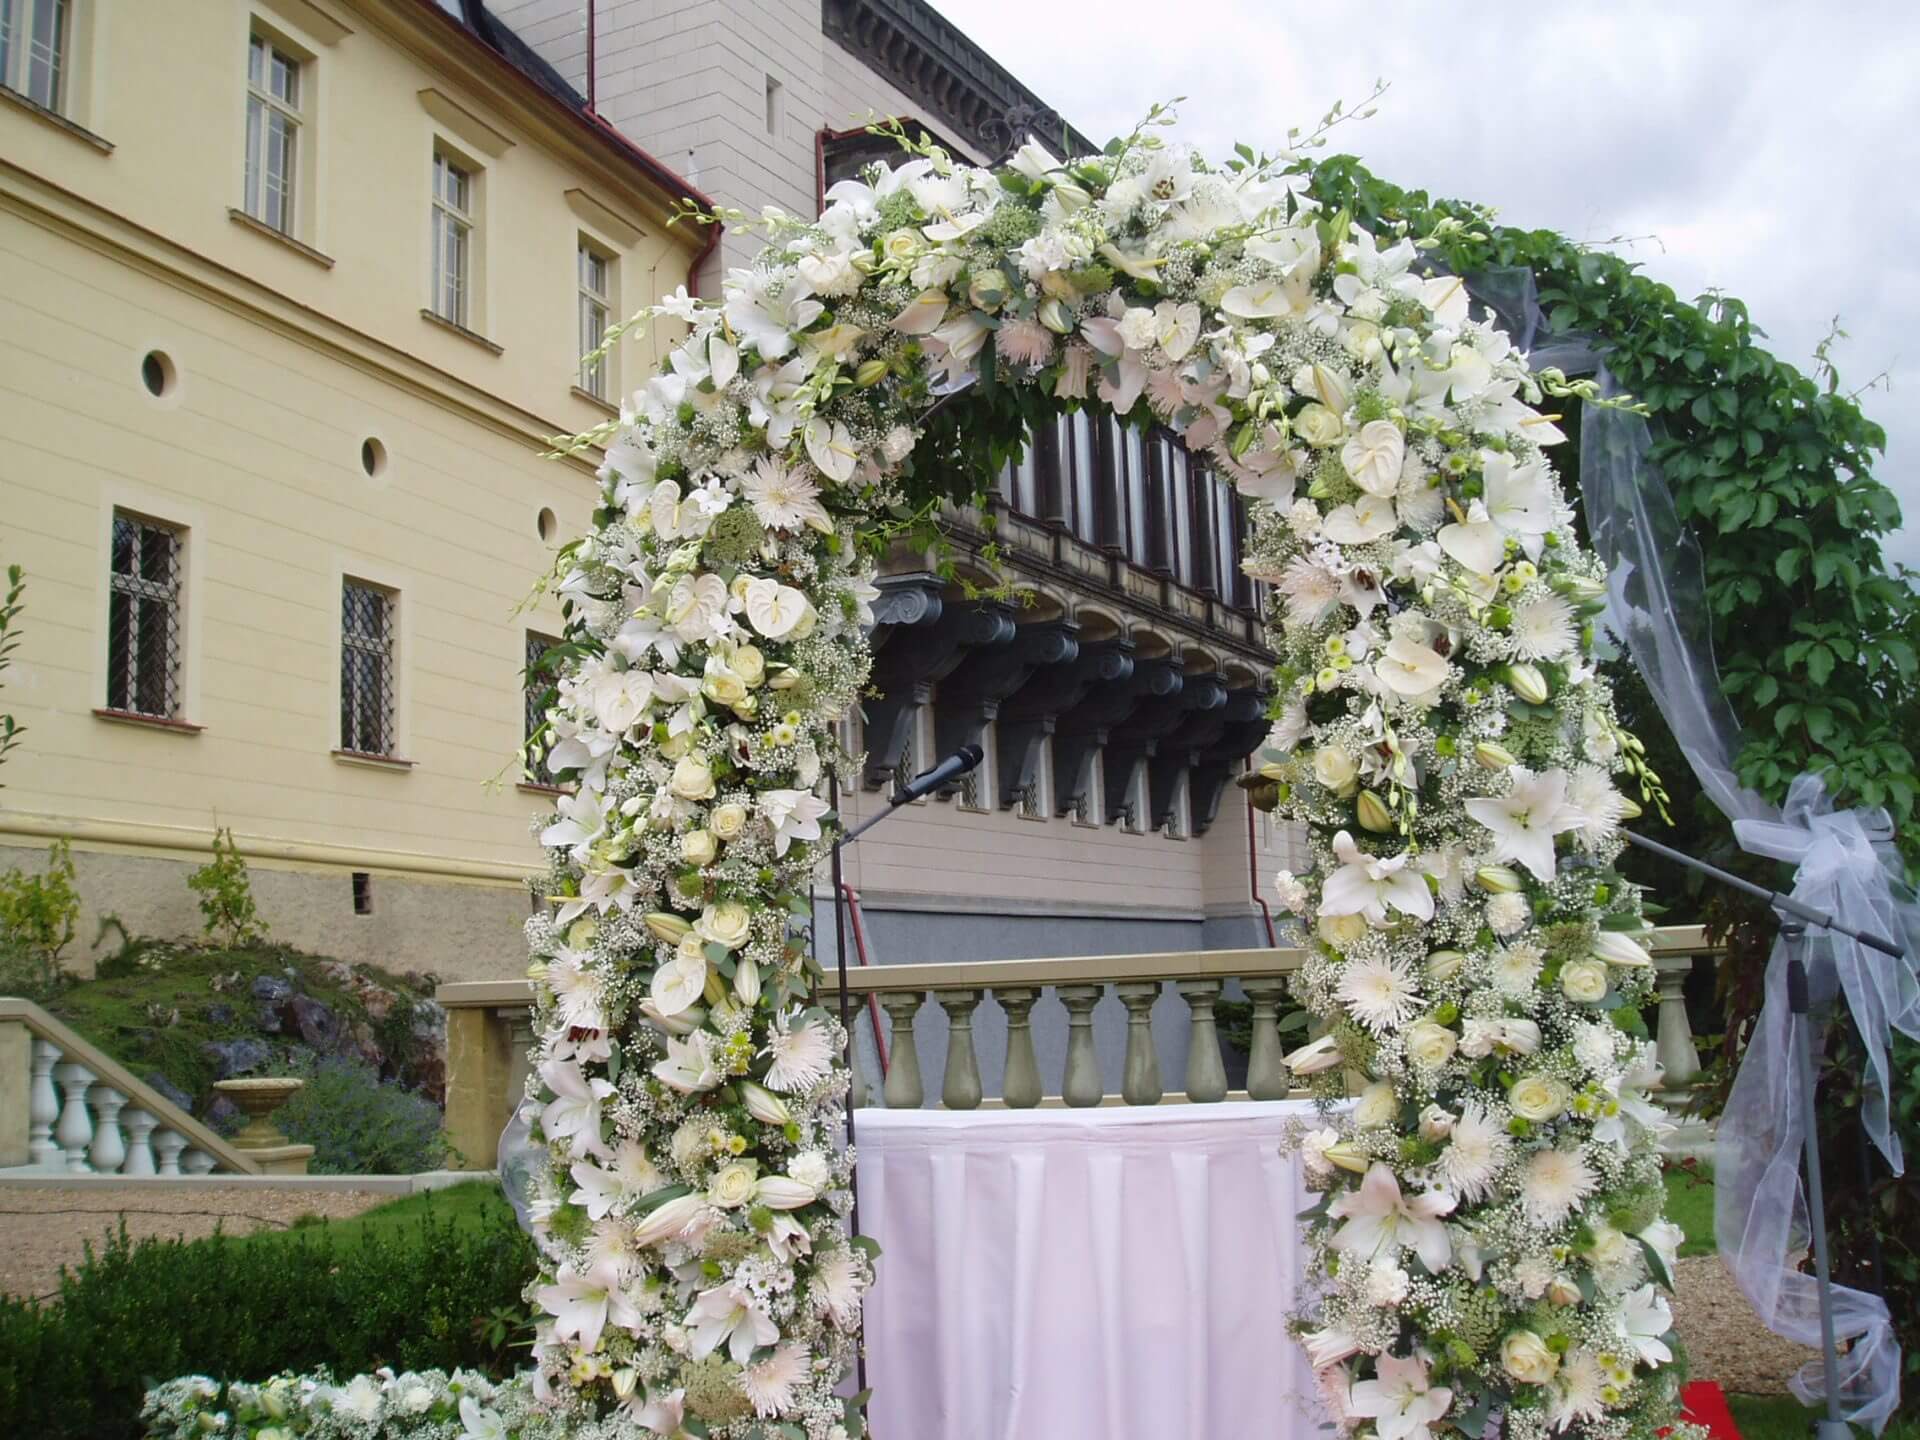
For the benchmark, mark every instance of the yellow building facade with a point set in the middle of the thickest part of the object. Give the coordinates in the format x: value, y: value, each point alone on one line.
x: 294, y: 290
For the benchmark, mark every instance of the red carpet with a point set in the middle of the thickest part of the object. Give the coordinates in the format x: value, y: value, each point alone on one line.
x: 1703, y: 1403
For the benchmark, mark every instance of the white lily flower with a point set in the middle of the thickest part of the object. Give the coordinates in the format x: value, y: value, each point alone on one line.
x: 1525, y: 820
x: 731, y: 1315
x: 1413, y: 671
x: 794, y: 815
x: 689, y: 1067
x: 1381, y: 1221
x: 767, y: 320
x: 1367, y: 519
x: 574, y: 1112
x: 1400, y: 1400
x: 1643, y: 1318
x: 583, y: 1305
x: 581, y: 823
x: 1368, y: 886
x: 479, y: 1423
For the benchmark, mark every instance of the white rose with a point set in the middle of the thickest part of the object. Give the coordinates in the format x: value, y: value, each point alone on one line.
x: 726, y: 922
x: 698, y: 847
x: 1527, y: 1359
x: 1319, y: 426
x: 1537, y: 1098
x: 1377, y: 1106
x: 727, y: 821
x: 902, y: 244
x: 692, y: 779
x: 1335, y: 769
x: 733, y: 1186
x: 1435, y: 1124
x: 1610, y: 1248
x: 721, y: 684
x: 1340, y: 931
x: 810, y: 1168
x: 1430, y: 1044
x: 749, y: 664
x: 1584, y: 981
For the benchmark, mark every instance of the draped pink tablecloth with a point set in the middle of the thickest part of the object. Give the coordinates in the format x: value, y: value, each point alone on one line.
x: 1118, y: 1273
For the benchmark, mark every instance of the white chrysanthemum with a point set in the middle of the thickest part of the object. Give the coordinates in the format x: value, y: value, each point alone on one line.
x: 1579, y: 1390
x: 1477, y: 1148
x: 1303, y: 518
x: 1532, y: 1274
x: 1601, y: 808
x: 1508, y: 914
x: 1516, y: 969
x: 836, y: 1288
x: 1291, y: 728
x: 1387, y: 1284
x: 770, y: 1384
x: 1553, y: 1183
x: 1311, y: 589
x: 783, y: 496
x: 1543, y: 629
x: 1380, y: 993
x: 1597, y: 1047
x: 577, y: 991
x: 1024, y: 342
x: 802, y: 1056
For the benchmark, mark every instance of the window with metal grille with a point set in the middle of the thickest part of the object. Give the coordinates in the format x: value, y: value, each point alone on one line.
x: 1086, y: 810
x: 973, y: 788
x: 366, y: 669
x: 913, y: 756
x: 1034, y: 800
x: 596, y: 276
x: 34, y: 40
x: 452, y: 239
x: 273, y: 132
x: 1134, y: 813
x: 1179, y: 824
x: 538, y: 686
x: 143, y: 618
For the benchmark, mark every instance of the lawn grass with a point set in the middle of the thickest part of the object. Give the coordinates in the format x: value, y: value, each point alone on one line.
x: 472, y: 1203
x: 1690, y: 1206
x: 1781, y: 1417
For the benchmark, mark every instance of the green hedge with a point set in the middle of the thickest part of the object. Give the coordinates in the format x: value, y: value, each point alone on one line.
x: 430, y: 1294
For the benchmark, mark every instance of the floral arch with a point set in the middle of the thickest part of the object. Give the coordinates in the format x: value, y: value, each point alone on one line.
x: 1489, y: 1232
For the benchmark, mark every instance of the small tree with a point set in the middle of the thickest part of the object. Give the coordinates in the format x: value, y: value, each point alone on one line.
x: 37, y: 918
x: 10, y: 729
x: 226, y: 895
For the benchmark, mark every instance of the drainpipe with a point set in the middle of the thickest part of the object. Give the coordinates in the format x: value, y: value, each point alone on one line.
x: 591, y: 67
x: 1253, y: 871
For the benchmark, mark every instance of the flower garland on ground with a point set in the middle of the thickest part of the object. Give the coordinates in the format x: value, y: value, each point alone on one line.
x: 1438, y: 727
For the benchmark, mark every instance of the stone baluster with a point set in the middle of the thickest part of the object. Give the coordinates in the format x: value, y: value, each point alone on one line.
x: 1673, y: 1041
x: 857, y: 1082
x: 960, y: 1087
x: 519, y: 1023
x: 1082, y: 1084
x: 43, y: 1105
x: 197, y: 1162
x: 1021, y: 1087
x: 109, y: 1149
x: 1206, y: 1075
x: 1140, y: 1085
x: 1267, y: 1077
x: 74, y: 1132
x: 139, y: 1149
x: 903, y: 1090
x: 168, y: 1144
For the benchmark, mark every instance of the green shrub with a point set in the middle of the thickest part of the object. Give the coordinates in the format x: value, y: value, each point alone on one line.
x: 37, y: 916
x: 359, y: 1124
x: 138, y: 1313
x: 226, y: 895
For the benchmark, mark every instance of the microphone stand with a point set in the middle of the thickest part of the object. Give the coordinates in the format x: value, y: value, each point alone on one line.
x: 954, y: 766
x: 1795, y: 917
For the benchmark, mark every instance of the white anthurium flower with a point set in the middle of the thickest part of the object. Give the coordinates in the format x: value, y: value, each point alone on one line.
x: 1176, y: 328
x: 1368, y: 885
x: 696, y: 609
x: 773, y: 609
x: 1367, y: 519
x: 794, y: 815
x: 1525, y: 820
x: 723, y: 362
x: 962, y: 337
x: 1375, y: 456
x: 574, y: 1112
x: 729, y: 1315
x: 1643, y: 1318
x: 581, y: 822
x: 689, y: 1067
x: 1268, y: 299
x: 831, y: 448
x: 1446, y: 299
x: 1413, y: 671
x: 836, y: 342
x: 1401, y: 1400
x: 1381, y: 1221
x: 620, y: 698
x: 1478, y: 543
x: 1315, y: 1056
x: 679, y: 983
x: 584, y: 1305
x: 924, y: 313
x: 1138, y: 264
x: 954, y: 227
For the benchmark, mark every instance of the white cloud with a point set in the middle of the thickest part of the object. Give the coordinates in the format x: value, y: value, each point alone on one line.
x: 1769, y: 150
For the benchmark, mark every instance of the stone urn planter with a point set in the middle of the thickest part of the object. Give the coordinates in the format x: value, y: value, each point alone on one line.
x: 259, y: 1138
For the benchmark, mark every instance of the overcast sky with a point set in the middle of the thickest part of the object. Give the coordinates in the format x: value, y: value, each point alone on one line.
x: 1769, y: 149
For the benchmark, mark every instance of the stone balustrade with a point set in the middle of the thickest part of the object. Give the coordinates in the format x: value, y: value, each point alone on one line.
x: 65, y: 1107
x: 489, y: 1029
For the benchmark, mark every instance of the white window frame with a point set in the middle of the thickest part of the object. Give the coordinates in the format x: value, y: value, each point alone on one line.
x: 455, y: 217
x: 596, y: 314
x: 264, y: 107
x: 25, y: 55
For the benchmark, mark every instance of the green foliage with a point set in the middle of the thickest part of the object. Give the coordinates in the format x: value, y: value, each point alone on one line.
x: 361, y: 1125
x: 226, y: 895
x: 1769, y: 467
x: 428, y: 1294
x: 37, y: 917
x: 10, y: 729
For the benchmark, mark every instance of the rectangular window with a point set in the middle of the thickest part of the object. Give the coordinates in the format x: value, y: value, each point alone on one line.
x: 596, y: 274
x: 273, y: 132
x: 452, y: 239
x: 977, y: 784
x: 1034, y: 800
x: 1179, y: 824
x: 1086, y: 809
x: 537, y: 688
x: 35, y: 40
x: 1134, y: 817
x: 143, y: 618
x: 366, y: 669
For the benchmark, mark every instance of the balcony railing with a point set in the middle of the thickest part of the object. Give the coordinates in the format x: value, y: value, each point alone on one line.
x: 489, y: 1028
x: 67, y: 1108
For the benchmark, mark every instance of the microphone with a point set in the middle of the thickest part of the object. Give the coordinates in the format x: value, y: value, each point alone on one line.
x: 951, y: 768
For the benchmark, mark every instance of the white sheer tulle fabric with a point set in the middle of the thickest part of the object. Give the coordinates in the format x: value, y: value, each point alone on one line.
x: 1125, y: 1274
x: 1846, y: 867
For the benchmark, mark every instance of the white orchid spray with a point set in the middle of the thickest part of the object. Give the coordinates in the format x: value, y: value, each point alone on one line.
x: 1440, y: 732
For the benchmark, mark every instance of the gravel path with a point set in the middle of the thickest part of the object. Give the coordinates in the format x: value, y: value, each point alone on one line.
x: 42, y: 1230
x: 1724, y: 1338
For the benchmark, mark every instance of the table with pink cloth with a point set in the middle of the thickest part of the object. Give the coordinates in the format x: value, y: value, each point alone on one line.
x: 1118, y: 1273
